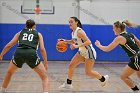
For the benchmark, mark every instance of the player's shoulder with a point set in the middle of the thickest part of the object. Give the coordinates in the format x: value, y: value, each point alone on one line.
x: 80, y: 31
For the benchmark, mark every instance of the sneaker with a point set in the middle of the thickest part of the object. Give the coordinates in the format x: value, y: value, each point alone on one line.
x: 66, y: 86
x: 106, y: 80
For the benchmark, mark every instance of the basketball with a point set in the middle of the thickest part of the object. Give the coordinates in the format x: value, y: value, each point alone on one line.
x: 61, y: 46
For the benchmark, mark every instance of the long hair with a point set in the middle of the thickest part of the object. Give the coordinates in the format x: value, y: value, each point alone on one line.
x: 77, y: 20
x: 122, y: 25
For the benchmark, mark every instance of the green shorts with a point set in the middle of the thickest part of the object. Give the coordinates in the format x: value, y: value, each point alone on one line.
x: 135, y: 62
x: 26, y: 55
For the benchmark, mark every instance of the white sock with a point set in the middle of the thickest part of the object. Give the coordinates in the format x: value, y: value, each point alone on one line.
x: 46, y: 92
x: 3, y: 89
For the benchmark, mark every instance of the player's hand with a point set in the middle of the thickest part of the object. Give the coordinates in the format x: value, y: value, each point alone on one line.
x: 97, y: 43
x: 46, y: 65
x: 73, y: 46
x: 61, y: 39
x: 1, y: 57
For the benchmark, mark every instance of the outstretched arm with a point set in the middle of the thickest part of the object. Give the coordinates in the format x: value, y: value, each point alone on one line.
x: 118, y: 40
x: 43, y: 50
x: 10, y: 44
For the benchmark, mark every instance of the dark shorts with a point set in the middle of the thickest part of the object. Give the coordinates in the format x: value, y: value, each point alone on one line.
x: 28, y: 56
x: 135, y: 62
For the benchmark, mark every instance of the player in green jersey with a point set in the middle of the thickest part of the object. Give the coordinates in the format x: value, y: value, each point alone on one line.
x: 28, y: 40
x: 130, y: 45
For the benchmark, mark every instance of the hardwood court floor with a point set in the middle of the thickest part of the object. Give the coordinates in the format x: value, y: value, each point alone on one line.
x: 26, y: 81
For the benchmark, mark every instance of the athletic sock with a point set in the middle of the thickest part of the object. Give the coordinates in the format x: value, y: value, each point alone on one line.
x: 102, y: 79
x: 135, y: 88
x: 69, y: 81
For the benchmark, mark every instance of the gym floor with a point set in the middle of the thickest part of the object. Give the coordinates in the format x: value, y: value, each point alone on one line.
x: 27, y: 81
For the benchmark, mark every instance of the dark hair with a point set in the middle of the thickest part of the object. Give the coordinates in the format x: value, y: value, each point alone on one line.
x: 30, y: 23
x: 120, y: 25
x: 77, y: 20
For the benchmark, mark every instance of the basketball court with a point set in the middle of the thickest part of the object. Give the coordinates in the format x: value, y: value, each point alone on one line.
x: 26, y: 81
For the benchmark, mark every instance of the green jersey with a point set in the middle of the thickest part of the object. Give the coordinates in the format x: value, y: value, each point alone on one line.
x: 28, y: 38
x: 130, y: 46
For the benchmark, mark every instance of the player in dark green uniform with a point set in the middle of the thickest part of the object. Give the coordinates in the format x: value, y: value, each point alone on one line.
x: 131, y: 45
x: 26, y: 52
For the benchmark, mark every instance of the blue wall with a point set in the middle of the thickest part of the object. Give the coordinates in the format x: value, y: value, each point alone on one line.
x: 51, y: 33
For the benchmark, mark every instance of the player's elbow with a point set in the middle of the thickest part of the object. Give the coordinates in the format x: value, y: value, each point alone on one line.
x: 107, y: 50
x: 88, y: 42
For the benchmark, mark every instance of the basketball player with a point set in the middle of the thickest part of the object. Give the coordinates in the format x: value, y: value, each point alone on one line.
x: 26, y: 52
x: 86, y: 54
x: 131, y: 45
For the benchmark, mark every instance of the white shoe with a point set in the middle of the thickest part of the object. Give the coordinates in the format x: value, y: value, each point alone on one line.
x: 106, y: 80
x: 66, y: 86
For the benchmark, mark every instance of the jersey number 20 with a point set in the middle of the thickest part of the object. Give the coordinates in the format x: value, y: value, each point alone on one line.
x: 28, y: 37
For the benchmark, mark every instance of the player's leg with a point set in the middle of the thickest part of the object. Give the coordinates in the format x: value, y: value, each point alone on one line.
x: 11, y: 70
x: 76, y: 60
x: 41, y: 71
x: 127, y: 72
x: 89, y: 63
x: 33, y: 61
x: 138, y: 74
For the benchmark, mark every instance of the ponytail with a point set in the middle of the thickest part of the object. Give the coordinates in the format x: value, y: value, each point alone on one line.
x: 77, y: 20
x: 129, y: 24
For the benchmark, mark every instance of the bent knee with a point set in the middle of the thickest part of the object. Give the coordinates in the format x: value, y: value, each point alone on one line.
x: 44, y: 76
x: 89, y: 73
x: 123, y: 77
x: 71, y: 66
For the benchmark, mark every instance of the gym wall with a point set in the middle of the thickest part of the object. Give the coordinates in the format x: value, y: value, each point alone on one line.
x: 97, y: 17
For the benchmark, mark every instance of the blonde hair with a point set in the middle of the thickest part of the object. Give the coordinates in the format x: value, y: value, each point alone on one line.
x: 122, y: 25
x: 129, y: 24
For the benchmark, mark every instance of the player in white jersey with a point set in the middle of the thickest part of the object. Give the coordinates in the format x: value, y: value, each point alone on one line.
x: 86, y: 54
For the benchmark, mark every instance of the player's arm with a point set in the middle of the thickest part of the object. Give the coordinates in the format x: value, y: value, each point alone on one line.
x: 137, y: 41
x: 10, y: 44
x: 67, y: 41
x: 118, y: 40
x: 81, y: 34
x: 42, y: 49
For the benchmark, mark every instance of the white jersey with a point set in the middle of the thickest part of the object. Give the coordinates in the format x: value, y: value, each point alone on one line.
x: 86, y: 51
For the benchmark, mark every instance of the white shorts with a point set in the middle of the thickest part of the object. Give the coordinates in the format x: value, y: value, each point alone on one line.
x: 89, y: 53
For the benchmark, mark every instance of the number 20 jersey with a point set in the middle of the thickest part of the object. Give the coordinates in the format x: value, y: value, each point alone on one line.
x: 29, y: 38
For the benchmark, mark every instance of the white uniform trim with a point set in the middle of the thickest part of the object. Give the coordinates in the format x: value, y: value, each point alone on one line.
x: 136, y: 62
x: 130, y: 49
x: 86, y: 51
